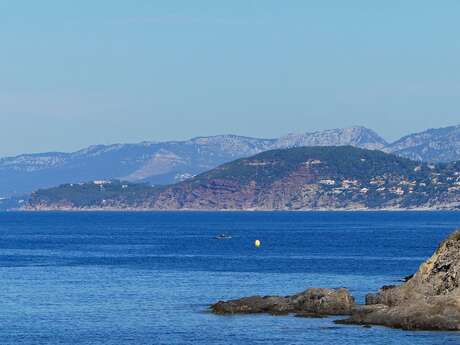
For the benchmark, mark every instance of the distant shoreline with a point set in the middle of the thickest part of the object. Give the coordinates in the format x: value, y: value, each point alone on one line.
x: 418, y: 209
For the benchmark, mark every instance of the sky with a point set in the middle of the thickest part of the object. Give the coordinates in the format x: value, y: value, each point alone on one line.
x: 76, y: 73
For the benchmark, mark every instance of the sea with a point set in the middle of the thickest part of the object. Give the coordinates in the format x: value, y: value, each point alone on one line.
x: 149, y: 278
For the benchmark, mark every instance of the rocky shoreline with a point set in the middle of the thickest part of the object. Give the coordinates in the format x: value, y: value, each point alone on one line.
x: 428, y: 300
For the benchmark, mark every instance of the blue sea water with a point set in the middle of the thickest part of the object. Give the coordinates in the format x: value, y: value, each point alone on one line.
x: 148, y: 278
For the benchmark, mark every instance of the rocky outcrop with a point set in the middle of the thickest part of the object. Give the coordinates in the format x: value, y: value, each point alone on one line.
x: 430, y: 300
x: 314, y: 302
x: 437, y: 314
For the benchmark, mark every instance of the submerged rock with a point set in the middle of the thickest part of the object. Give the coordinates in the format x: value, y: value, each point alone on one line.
x: 430, y: 300
x: 312, y: 302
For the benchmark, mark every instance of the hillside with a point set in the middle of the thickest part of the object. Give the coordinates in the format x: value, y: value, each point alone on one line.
x: 303, y: 178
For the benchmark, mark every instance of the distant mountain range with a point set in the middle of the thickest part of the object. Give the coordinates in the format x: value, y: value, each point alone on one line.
x: 302, y: 178
x: 174, y: 161
x: 433, y: 145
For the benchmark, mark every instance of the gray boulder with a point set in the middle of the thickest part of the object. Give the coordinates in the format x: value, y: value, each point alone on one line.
x: 310, y: 303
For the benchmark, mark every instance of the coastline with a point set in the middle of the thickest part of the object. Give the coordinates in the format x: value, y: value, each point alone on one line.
x: 260, y: 210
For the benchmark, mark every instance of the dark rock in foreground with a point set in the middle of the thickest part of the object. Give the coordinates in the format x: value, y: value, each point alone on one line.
x: 429, y: 300
x: 310, y: 303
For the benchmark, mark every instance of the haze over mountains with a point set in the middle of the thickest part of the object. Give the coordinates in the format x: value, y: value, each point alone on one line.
x: 174, y: 161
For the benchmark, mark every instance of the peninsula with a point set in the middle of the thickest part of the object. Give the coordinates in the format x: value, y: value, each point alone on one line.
x: 304, y: 178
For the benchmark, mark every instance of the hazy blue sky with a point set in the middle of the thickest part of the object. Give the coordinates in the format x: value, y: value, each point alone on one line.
x: 74, y: 73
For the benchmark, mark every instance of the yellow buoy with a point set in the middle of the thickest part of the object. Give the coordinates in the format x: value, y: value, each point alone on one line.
x: 257, y: 243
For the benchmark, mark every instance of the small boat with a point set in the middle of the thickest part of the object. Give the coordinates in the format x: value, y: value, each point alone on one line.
x: 223, y: 237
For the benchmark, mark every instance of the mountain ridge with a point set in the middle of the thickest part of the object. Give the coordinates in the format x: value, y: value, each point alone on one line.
x: 434, y: 144
x: 152, y: 162
x: 173, y: 161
